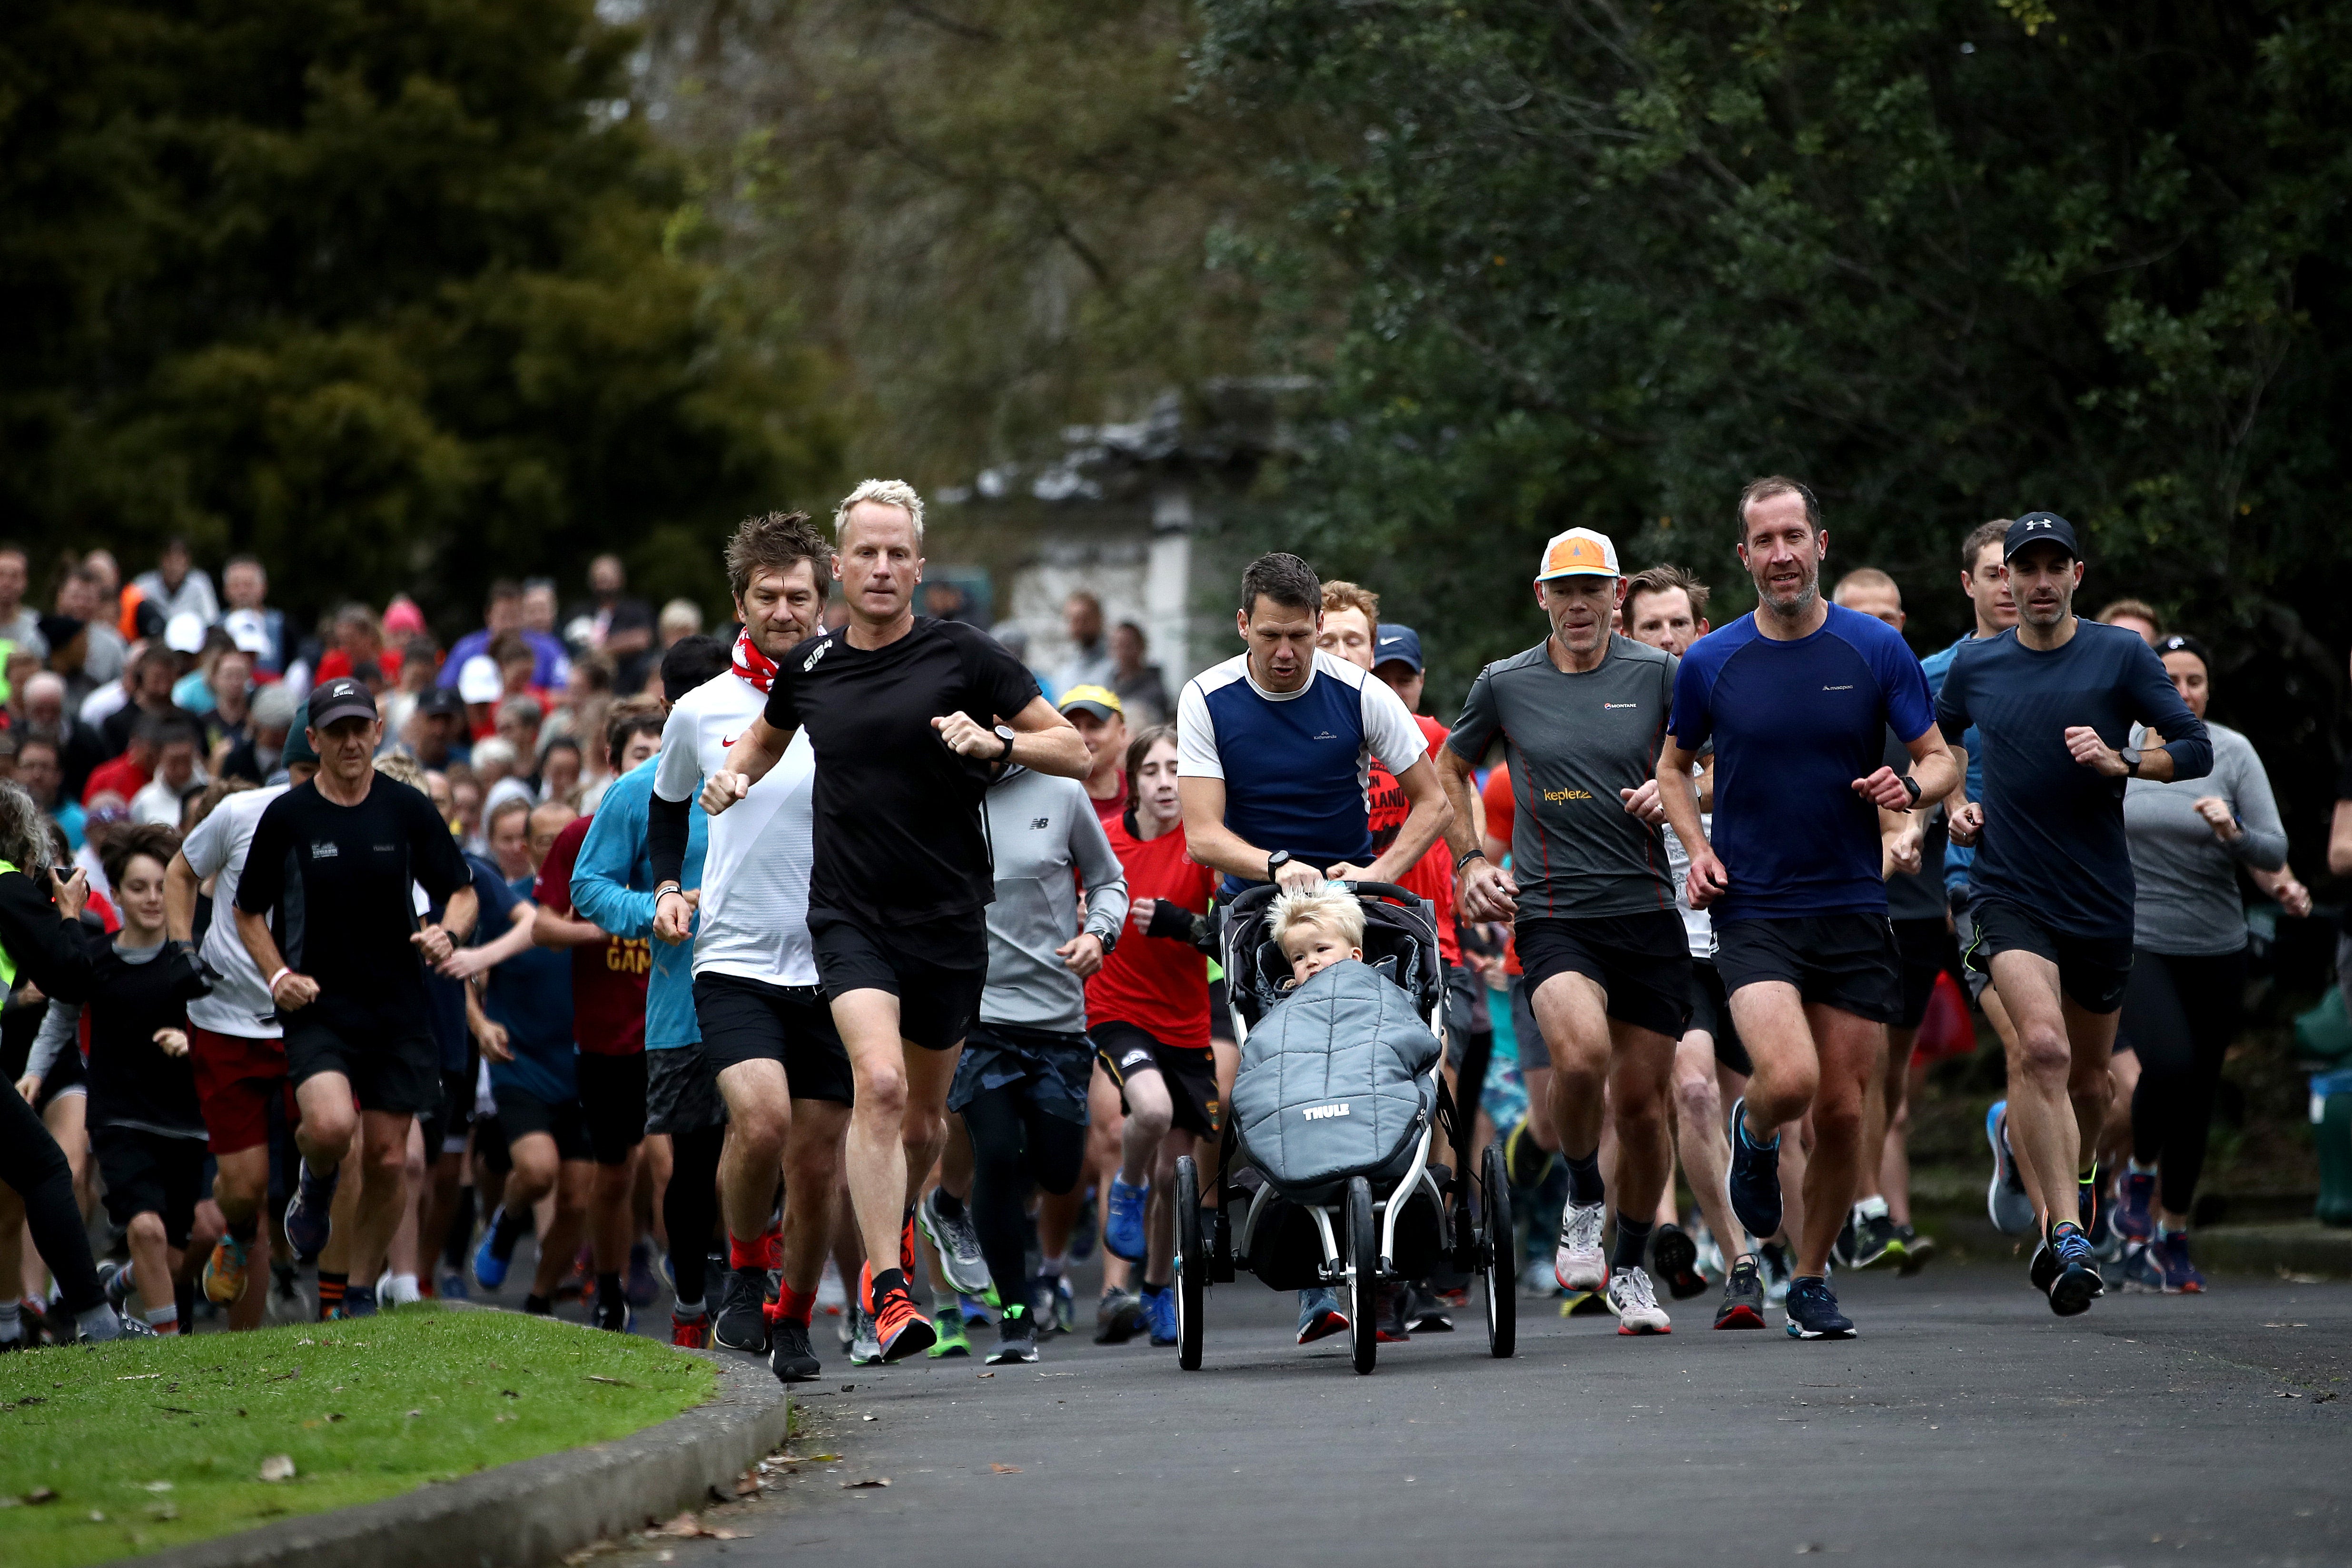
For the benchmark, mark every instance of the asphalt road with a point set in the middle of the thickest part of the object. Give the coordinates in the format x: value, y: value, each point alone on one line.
x: 1966, y: 1425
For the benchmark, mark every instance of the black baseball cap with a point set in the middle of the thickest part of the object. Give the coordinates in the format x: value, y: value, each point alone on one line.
x: 342, y: 697
x: 2041, y: 527
x: 441, y: 703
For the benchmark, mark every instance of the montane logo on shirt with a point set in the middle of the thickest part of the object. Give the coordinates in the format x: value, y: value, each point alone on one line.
x: 818, y: 652
x: 1325, y: 1113
x: 1606, y: 707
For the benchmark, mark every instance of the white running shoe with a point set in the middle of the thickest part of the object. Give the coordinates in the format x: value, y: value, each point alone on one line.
x: 831, y: 1298
x: 1636, y: 1304
x: 958, y: 1242
x: 1579, y: 1264
x: 865, y: 1348
x: 396, y: 1289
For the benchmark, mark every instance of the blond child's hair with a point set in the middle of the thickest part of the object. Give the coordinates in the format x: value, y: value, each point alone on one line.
x: 1336, y: 913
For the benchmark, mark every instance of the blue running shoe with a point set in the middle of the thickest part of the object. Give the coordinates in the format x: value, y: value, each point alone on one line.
x: 2005, y: 1199
x: 359, y: 1301
x: 2135, y: 1209
x: 1319, y: 1316
x: 1159, y: 1309
x: 2076, y: 1283
x: 1123, y: 1226
x: 1813, y: 1312
x: 1755, y: 1177
x: 453, y: 1286
x: 2176, y: 1275
x: 489, y: 1268
x: 306, y: 1213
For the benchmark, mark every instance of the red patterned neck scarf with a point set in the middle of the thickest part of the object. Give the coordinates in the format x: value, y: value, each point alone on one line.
x: 752, y: 665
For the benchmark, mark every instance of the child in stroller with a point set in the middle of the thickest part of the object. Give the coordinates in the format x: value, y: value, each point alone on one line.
x: 1315, y: 930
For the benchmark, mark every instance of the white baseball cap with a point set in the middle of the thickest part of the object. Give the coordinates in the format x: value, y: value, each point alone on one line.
x: 478, y: 680
x: 1579, y: 552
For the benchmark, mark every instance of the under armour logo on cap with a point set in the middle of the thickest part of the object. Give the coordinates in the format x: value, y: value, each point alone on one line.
x: 2039, y: 527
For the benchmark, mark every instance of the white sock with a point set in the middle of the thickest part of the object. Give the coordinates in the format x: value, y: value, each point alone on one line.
x: 1871, y: 1208
x: 1051, y: 1268
x: 160, y: 1318
x: 693, y: 1309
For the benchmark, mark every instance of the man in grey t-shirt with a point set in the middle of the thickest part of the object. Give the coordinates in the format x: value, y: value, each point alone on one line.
x: 1581, y: 717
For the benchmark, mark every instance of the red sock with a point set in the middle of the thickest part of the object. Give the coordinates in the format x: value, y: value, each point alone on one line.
x: 798, y: 1305
x: 760, y: 1253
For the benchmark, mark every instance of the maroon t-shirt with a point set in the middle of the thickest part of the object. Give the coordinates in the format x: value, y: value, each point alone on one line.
x: 608, y: 978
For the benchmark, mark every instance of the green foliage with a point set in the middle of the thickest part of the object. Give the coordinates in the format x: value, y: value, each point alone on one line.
x: 388, y: 293
x: 1947, y: 260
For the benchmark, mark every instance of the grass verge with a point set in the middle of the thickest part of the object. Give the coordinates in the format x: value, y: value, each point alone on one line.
x: 142, y: 1445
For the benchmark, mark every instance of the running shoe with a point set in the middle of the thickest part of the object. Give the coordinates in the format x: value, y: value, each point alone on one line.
x: 1526, y: 1163
x: 1918, y: 1249
x: 306, y: 1212
x: 1319, y: 1316
x: 1053, y: 1305
x: 1014, y: 1342
x: 690, y: 1333
x: 742, y: 1321
x: 2005, y: 1199
x: 1814, y: 1312
x: 865, y: 1350
x: 1773, y: 1258
x: 642, y: 1286
x: 359, y: 1301
x: 614, y: 1316
x: 1120, y: 1316
x: 2074, y: 1283
x: 958, y: 1242
x: 1577, y: 1263
x: 899, y: 1327
x: 1676, y: 1257
x: 1841, y: 1250
x: 1876, y: 1238
x: 2134, y: 1207
x: 790, y: 1355
x: 1389, y: 1311
x: 1123, y: 1221
x: 1635, y: 1302
x: 2176, y: 1275
x: 452, y: 1286
x: 489, y: 1268
x: 225, y: 1272
x: 2107, y: 1241
x: 397, y: 1289
x: 954, y: 1339
x: 975, y: 1309
x: 1160, y: 1307
x: 1743, y: 1297
x: 2041, y: 1269
x: 831, y: 1296
x: 1754, y: 1179
x: 1425, y: 1310
x: 2143, y: 1269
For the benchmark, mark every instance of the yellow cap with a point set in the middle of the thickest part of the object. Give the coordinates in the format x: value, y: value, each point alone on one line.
x: 1579, y: 552
x: 1102, y: 699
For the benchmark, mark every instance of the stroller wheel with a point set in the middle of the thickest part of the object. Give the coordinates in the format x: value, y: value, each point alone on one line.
x: 1502, y: 1263
x: 1192, y: 1265
x: 1363, y: 1274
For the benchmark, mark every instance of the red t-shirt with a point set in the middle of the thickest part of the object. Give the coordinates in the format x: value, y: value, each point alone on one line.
x: 119, y: 773
x: 1109, y: 812
x: 1500, y: 814
x: 1386, y: 808
x: 608, y: 978
x: 338, y: 662
x: 1156, y: 983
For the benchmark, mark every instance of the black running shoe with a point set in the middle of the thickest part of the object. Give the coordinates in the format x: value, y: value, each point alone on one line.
x: 1918, y: 1249
x: 790, y: 1356
x: 1841, y: 1250
x: 2043, y: 1269
x: 1813, y: 1310
x: 1118, y: 1317
x: 2077, y: 1283
x: 1526, y: 1163
x: 613, y: 1316
x: 1743, y: 1297
x: 1675, y: 1256
x: 742, y: 1321
x: 1754, y: 1180
x: 1424, y: 1312
x: 1876, y: 1240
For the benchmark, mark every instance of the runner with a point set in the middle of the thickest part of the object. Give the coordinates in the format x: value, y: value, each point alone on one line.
x: 1100, y: 719
x: 2051, y: 887
x: 1582, y: 715
x: 1148, y: 1012
x: 1021, y: 1083
x: 1274, y: 747
x: 332, y: 860
x: 2188, y: 979
x: 613, y: 885
x: 1797, y: 697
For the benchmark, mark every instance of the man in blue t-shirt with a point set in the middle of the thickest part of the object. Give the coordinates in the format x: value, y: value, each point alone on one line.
x: 2055, y: 700
x: 1798, y: 698
x: 1273, y: 753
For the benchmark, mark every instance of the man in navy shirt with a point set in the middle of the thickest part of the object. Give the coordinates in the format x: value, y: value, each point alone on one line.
x: 2055, y: 700
x: 1798, y: 698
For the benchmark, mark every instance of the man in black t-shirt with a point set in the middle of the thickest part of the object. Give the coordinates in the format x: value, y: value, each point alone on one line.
x: 909, y: 718
x: 328, y: 886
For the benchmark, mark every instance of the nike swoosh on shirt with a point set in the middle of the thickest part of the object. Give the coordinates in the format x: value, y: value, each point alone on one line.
x: 729, y: 740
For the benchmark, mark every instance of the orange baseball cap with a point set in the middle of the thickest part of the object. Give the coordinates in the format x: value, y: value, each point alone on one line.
x: 1579, y: 552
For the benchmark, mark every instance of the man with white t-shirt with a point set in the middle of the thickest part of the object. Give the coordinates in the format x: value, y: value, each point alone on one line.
x: 766, y: 1030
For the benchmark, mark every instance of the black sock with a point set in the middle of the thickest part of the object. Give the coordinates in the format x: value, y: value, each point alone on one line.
x: 460, y: 1240
x: 887, y: 1280
x: 949, y: 1206
x: 608, y: 1289
x: 184, y: 1299
x: 1583, y: 1178
x: 243, y: 1231
x: 1633, y: 1240
x: 539, y: 1306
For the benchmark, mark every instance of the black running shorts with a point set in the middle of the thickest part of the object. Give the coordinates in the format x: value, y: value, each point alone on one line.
x: 682, y: 1091
x: 1843, y: 961
x: 520, y: 1114
x: 1641, y: 962
x: 752, y: 1020
x: 1189, y: 1073
x: 935, y: 969
x: 1710, y: 1010
x: 393, y: 1067
x: 1923, y: 947
x: 2092, y: 970
x: 612, y: 1098
x: 151, y: 1173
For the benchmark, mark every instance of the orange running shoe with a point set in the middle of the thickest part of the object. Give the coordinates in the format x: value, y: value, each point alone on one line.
x: 899, y: 1329
x: 225, y: 1272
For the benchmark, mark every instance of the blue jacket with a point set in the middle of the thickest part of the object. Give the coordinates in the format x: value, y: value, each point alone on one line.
x: 1956, y: 859
x: 612, y: 884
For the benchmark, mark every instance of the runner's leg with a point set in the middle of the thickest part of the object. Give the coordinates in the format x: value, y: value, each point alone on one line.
x: 383, y: 1189
x: 1850, y: 1051
x: 759, y: 1125
x: 812, y: 1175
x: 876, y: 1154
x: 1700, y: 1137
x: 2043, y: 1132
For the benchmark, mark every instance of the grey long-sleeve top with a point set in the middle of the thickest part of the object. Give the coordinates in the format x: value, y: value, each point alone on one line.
x: 1046, y: 842
x: 2187, y: 878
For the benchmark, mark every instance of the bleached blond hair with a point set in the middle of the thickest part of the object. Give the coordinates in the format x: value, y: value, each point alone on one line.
x: 1336, y: 913
x: 889, y: 492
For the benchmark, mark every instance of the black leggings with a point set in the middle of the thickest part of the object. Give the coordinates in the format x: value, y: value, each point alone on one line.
x: 31, y: 1163
x: 1014, y: 1143
x: 690, y: 1206
x: 2179, y: 1015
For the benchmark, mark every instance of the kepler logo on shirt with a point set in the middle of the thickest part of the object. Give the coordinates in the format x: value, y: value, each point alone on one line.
x: 1325, y: 1113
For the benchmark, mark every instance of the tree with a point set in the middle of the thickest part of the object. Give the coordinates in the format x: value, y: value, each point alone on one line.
x: 396, y: 295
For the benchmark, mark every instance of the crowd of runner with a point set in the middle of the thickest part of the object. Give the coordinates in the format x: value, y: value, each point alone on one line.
x: 845, y: 966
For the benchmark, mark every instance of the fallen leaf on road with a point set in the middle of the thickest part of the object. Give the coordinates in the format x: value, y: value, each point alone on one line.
x: 822, y: 1459
x: 870, y: 1482
x: 988, y: 1375
x: 1006, y: 1469
x: 278, y: 1467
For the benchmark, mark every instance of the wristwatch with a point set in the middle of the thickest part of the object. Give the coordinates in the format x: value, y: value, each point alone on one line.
x: 1274, y: 863
x: 2130, y: 754
x: 1005, y: 732
x: 1109, y: 940
x: 1465, y: 857
x: 1912, y: 785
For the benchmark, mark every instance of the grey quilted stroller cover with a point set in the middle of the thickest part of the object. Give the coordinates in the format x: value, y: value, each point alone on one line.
x: 1335, y: 1082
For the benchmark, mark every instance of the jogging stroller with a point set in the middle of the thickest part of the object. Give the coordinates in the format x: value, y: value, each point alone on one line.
x: 1328, y: 1137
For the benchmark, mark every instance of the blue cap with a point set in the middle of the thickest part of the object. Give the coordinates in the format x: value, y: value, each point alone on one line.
x: 1397, y: 645
x: 2041, y: 527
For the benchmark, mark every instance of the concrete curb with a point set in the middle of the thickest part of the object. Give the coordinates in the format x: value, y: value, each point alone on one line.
x: 532, y: 1512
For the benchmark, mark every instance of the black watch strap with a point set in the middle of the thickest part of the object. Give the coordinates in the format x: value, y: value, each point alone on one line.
x: 1912, y: 785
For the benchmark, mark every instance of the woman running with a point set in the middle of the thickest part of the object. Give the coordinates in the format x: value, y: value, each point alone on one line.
x: 2188, y: 968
